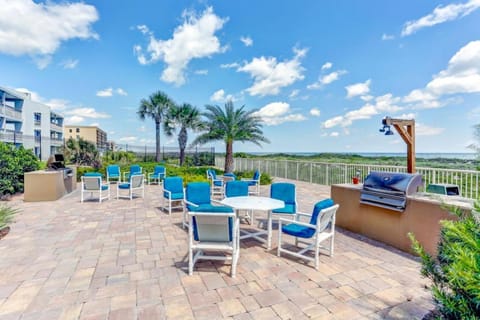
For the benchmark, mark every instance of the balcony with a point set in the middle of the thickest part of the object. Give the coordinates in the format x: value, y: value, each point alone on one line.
x: 11, y: 113
x: 11, y: 136
x: 56, y: 142
x: 56, y: 127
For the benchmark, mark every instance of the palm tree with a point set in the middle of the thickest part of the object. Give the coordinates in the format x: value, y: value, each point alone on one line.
x: 187, y: 117
x: 231, y: 125
x: 155, y: 107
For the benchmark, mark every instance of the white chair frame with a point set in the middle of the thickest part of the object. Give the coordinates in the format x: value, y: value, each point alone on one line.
x: 92, y: 184
x: 256, y: 187
x: 212, y: 223
x: 156, y: 177
x: 171, y: 201
x: 324, y: 230
x: 137, y: 183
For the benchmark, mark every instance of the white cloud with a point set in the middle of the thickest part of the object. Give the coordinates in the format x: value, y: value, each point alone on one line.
x: 94, y: 124
x: 109, y: 92
x: 219, y: 96
x: 327, y: 65
x: 247, y: 41
x: 202, y: 72
x: 315, y: 112
x: 105, y: 92
x: 358, y: 89
x: 86, y: 112
x: 38, y: 29
x: 130, y: 139
x: 270, y: 75
x: 194, y: 39
x: 69, y: 64
x: 424, y: 130
x: 440, y: 15
x: 294, y: 93
x: 276, y: 113
x: 73, y: 120
x: 55, y: 104
x: 334, y: 134
x: 387, y: 36
x: 233, y: 65
x: 121, y: 92
x: 333, y: 122
x: 327, y: 79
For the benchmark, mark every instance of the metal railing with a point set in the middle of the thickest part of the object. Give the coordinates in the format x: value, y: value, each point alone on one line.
x: 336, y: 173
x: 11, y: 136
x: 11, y: 112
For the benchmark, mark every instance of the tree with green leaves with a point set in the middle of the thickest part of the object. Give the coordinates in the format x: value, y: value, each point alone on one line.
x: 82, y: 152
x: 186, y: 117
x: 155, y: 107
x: 230, y: 125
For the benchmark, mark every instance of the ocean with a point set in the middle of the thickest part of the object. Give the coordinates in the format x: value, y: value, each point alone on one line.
x: 424, y: 155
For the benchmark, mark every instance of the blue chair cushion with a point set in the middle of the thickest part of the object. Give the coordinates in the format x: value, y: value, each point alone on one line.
x: 236, y: 188
x: 210, y: 208
x: 319, y: 206
x: 92, y: 174
x: 230, y: 174
x: 252, y: 183
x: 173, y: 184
x: 298, y: 231
x: 289, y: 208
x: 104, y: 187
x: 175, y: 195
x: 256, y: 175
x: 217, y: 183
x: 124, y: 186
x: 198, y: 193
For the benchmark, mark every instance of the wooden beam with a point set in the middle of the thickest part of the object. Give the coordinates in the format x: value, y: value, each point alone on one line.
x: 406, y: 129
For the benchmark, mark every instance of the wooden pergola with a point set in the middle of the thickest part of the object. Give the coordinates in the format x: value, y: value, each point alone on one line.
x: 406, y: 129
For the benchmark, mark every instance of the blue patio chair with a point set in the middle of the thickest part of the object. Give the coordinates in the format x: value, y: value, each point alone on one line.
x: 213, y: 229
x: 157, y: 175
x: 134, y: 169
x: 238, y: 188
x: 198, y: 197
x: 172, y: 193
x: 93, y: 184
x: 286, y: 192
x: 254, y: 182
x: 113, y: 172
x: 321, y: 227
x: 216, y: 183
x: 135, y: 185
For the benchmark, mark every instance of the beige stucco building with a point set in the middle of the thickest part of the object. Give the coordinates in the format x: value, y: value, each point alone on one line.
x: 89, y: 133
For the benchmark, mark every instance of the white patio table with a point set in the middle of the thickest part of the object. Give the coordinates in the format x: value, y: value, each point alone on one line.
x: 255, y: 203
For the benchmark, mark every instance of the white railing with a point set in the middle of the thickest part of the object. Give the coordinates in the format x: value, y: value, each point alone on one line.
x: 11, y: 112
x: 11, y: 136
x: 335, y: 173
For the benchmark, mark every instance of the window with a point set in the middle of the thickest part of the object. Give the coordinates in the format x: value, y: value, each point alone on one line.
x: 70, y: 130
x: 78, y: 130
x: 37, y: 117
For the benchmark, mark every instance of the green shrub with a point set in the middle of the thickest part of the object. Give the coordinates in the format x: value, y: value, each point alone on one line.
x: 6, y: 215
x: 14, y: 162
x: 455, y: 272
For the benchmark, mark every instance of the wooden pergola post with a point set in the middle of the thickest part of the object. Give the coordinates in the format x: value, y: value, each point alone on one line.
x: 406, y: 129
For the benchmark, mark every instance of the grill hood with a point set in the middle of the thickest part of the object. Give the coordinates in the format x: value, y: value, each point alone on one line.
x: 389, y: 189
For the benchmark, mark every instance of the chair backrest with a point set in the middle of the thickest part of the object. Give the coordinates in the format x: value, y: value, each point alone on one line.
x: 197, y: 193
x: 173, y: 184
x: 230, y: 175
x: 159, y: 170
x: 236, y: 188
x: 113, y: 170
x: 136, y: 180
x: 213, y: 228
x: 92, y: 182
x: 135, y: 168
x: 284, y: 191
x: 256, y: 175
x: 326, y: 217
x: 211, y: 174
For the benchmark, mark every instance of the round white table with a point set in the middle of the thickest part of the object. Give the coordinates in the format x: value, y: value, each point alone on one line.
x: 256, y: 203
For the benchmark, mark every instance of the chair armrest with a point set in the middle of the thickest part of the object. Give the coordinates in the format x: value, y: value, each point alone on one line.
x: 190, y: 203
x: 169, y: 193
x: 217, y: 202
x: 304, y: 224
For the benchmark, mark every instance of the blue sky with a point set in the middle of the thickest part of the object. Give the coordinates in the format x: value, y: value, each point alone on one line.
x: 322, y: 74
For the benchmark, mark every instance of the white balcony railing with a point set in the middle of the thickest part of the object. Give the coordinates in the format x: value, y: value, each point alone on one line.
x: 56, y: 127
x: 335, y: 173
x: 11, y: 112
x: 11, y: 136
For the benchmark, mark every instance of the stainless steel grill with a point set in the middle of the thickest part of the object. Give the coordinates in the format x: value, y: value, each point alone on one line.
x: 389, y: 189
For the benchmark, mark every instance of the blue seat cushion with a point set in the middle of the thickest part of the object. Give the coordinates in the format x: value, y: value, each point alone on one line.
x: 218, y: 183
x: 209, y: 208
x: 124, y: 186
x: 92, y: 174
x: 104, y: 187
x: 252, y: 183
x: 319, y: 206
x: 298, y: 231
x: 289, y: 208
x: 175, y: 195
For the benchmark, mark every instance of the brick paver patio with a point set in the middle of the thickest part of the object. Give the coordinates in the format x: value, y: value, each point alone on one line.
x: 125, y: 259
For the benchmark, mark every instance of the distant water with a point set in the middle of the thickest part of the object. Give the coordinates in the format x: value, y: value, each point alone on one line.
x: 424, y: 155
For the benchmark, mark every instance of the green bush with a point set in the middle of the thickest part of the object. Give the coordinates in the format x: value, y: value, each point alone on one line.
x: 455, y: 272
x: 14, y: 162
x: 6, y: 215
